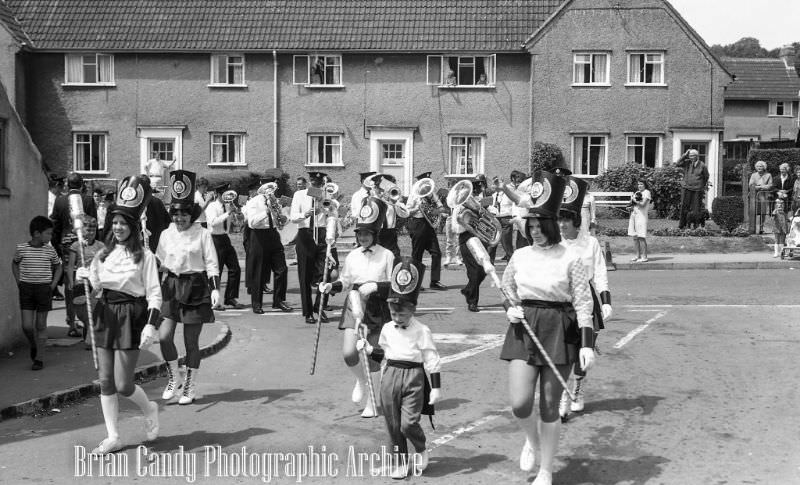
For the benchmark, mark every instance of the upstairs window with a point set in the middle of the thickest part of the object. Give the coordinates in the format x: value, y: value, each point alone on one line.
x: 590, y: 68
x: 227, y: 70
x: 646, y: 68
x: 452, y: 71
x: 227, y: 148
x: 89, y: 69
x: 780, y: 108
x: 318, y: 70
x: 324, y: 149
x: 466, y: 155
x: 89, y: 152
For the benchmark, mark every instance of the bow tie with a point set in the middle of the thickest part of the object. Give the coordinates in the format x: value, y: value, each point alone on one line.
x: 367, y: 250
x: 400, y: 326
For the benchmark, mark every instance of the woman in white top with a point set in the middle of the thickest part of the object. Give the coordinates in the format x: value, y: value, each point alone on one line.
x: 548, y: 287
x: 191, y: 287
x: 124, y: 277
x: 637, y: 224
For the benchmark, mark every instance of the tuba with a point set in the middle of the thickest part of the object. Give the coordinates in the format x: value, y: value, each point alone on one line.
x: 423, y: 189
x: 473, y: 216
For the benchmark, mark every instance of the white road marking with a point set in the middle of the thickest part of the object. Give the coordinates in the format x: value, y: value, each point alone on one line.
x: 712, y: 305
x: 473, y: 351
x: 636, y: 331
x: 467, y: 339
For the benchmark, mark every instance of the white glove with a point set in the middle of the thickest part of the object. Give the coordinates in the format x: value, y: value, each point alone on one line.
x: 214, y: 298
x: 515, y: 314
x: 362, y: 344
x: 368, y: 288
x: 149, y: 336
x: 606, y: 311
x: 436, y: 396
x: 82, y: 274
x: 325, y: 288
x: 587, y: 358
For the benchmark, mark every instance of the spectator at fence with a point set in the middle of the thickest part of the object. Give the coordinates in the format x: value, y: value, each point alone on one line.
x: 761, y: 191
x: 694, y: 186
x: 795, y: 204
x: 784, y: 185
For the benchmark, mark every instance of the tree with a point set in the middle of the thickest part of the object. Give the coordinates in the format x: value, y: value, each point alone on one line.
x: 744, y: 47
x: 545, y: 156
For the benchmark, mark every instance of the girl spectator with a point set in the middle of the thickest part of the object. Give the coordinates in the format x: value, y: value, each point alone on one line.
x: 780, y: 227
x: 637, y: 225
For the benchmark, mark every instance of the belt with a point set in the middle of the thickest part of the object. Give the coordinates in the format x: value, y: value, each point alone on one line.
x: 403, y: 364
x: 561, y: 305
x: 184, y: 275
x: 113, y: 296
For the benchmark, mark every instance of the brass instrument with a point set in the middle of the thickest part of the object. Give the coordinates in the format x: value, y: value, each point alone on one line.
x: 424, y: 190
x: 479, y: 221
x: 229, y: 196
x: 273, y: 205
x: 385, y: 190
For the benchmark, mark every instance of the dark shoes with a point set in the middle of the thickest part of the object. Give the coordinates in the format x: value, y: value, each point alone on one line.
x: 258, y: 310
x: 57, y: 296
x: 472, y: 307
x: 267, y: 290
x: 311, y: 320
x: 37, y: 365
x: 234, y: 304
x: 282, y: 306
x: 323, y: 318
x: 435, y: 285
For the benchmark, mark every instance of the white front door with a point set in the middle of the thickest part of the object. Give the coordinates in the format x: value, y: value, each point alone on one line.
x: 163, y: 144
x: 392, y: 152
x: 707, y: 143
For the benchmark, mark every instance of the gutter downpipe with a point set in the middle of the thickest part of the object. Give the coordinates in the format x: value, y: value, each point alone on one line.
x: 274, y: 109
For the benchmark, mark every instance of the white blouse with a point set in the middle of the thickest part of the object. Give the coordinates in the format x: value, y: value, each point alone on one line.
x: 411, y: 344
x: 120, y: 273
x: 189, y: 251
x: 549, y: 274
x: 588, y: 249
x: 359, y: 267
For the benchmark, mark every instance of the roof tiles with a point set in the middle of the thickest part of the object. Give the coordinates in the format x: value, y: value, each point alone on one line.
x: 761, y: 79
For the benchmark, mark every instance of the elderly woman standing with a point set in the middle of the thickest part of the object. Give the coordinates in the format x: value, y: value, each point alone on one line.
x: 761, y: 191
x: 784, y: 185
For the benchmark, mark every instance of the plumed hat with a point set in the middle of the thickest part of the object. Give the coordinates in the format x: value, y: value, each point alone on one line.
x: 546, y: 193
x: 406, y: 280
x: 574, y: 193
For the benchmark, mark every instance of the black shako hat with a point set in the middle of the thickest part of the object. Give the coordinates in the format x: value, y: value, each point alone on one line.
x: 182, y: 186
x: 406, y: 281
x: 132, y: 198
x: 546, y: 194
x: 574, y: 193
x: 371, y: 216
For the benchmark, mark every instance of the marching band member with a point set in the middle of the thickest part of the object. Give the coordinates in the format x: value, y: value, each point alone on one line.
x: 217, y: 215
x: 359, y: 195
x: 588, y: 248
x: 423, y: 234
x: 505, y: 211
x: 367, y: 269
x: 126, y: 275
x: 452, y: 254
x: 475, y: 272
x: 550, y: 283
x: 191, y: 287
x: 387, y: 237
x: 311, y: 220
x: 407, y: 346
x: 265, y: 253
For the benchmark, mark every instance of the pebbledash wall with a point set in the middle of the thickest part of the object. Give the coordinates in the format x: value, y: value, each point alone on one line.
x: 381, y: 94
x: 688, y: 107
x: 751, y: 119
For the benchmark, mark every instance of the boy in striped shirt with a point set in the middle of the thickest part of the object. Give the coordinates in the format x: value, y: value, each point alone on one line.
x: 37, y: 270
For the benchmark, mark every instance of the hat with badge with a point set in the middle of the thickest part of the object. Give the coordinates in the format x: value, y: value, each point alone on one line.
x: 318, y: 178
x: 132, y: 198
x: 479, y: 182
x: 182, y: 187
x: 546, y: 192
x: 221, y: 187
x: 405, y: 281
x: 365, y: 175
x: 574, y: 193
x: 371, y: 216
x: 424, y: 175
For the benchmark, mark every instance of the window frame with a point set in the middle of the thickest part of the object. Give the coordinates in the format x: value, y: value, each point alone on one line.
x: 646, y: 53
x: 773, y: 108
x: 215, y: 60
x: 657, y: 163
x: 479, y: 164
x: 443, y: 66
x: 82, y: 81
x: 104, y: 169
x: 242, y: 148
x: 602, y: 166
x: 394, y: 163
x: 591, y: 53
x: 310, y: 136
x: 306, y: 60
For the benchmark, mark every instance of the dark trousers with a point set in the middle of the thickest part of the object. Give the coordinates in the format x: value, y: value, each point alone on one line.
x: 265, y: 254
x: 475, y: 272
x: 310, y: 266
x: 402, y: 396
x: 506, y: 236
x: 423, y: 238
x: 691, y: 208
x: 227, y: 257
x: 388, y: 239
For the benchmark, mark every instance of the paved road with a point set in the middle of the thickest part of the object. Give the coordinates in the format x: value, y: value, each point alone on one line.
x: 694, y: 387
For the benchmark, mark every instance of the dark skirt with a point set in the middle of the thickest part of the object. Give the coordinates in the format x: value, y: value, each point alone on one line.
x: 187, y: 298
x: 376, y: 313
x: 118, y: 320
x: 556, y: 327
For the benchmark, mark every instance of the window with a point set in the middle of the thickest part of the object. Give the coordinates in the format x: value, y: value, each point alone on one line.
x: 227, y: 70
x: 324, y: 150
x: 90, y: 152
x: 461, y: 70
x: 318, y: 70
x: 164, y: 149
x: 227, y: 148
x: 590, y: 68
x: 588, y: 154
x: 644, y: 150
x: 89, y: 69
x: 466, y: 155
x: 646, y: 68
x: 780, y: 108
x: 392, y: 153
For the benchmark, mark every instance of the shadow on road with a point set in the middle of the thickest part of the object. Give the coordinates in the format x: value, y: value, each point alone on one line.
x: 197, y: 439
x: 449, y: 404
x: 584, y: 470
x: 441, y: 466
x: 646, y: 403
x: 241, y: 395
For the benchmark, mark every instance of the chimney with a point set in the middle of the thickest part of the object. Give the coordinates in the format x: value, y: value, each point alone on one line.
x: 787, y: 55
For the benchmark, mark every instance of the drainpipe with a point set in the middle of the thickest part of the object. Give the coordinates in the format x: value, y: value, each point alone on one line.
x: 274, y: 109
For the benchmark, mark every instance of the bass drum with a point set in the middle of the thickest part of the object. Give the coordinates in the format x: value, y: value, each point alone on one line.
x: 289, y: 231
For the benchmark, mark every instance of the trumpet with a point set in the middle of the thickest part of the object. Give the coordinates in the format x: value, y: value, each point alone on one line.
x: 330, y: 190
x: 331, y: 207
x: 473, y: 215
x: 229, y: 196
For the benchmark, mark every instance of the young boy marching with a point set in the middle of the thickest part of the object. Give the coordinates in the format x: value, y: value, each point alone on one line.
x: 407, y: 346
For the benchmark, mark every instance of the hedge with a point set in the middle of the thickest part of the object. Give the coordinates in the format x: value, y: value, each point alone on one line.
x: 773, y: 158
x: 664, y: 183
x: 728, y: 212
x: 545, y: 156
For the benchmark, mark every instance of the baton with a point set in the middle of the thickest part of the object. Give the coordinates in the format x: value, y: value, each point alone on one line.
x: 357, y: 309
x: 76, y: 212
x: 330, y: 230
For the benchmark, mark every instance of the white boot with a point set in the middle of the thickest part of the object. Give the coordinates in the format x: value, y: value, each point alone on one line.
x: 549, y: 444
x: 189, y: 387
x: 358, y: 391
x: 110, y: 406
x: 775, y: 254
x: 577, y: 404
x: 564, y: 405
x: 527, y: 457
x: 149, y: 410
x: 173, y: 382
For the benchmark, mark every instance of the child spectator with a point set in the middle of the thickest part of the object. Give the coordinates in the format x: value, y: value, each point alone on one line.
x: 407, y: 344
x: 637, y: 225
x: 37, y: 270
x: 793, y: 238
x: 780, y: 226
x: 91, y: 246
